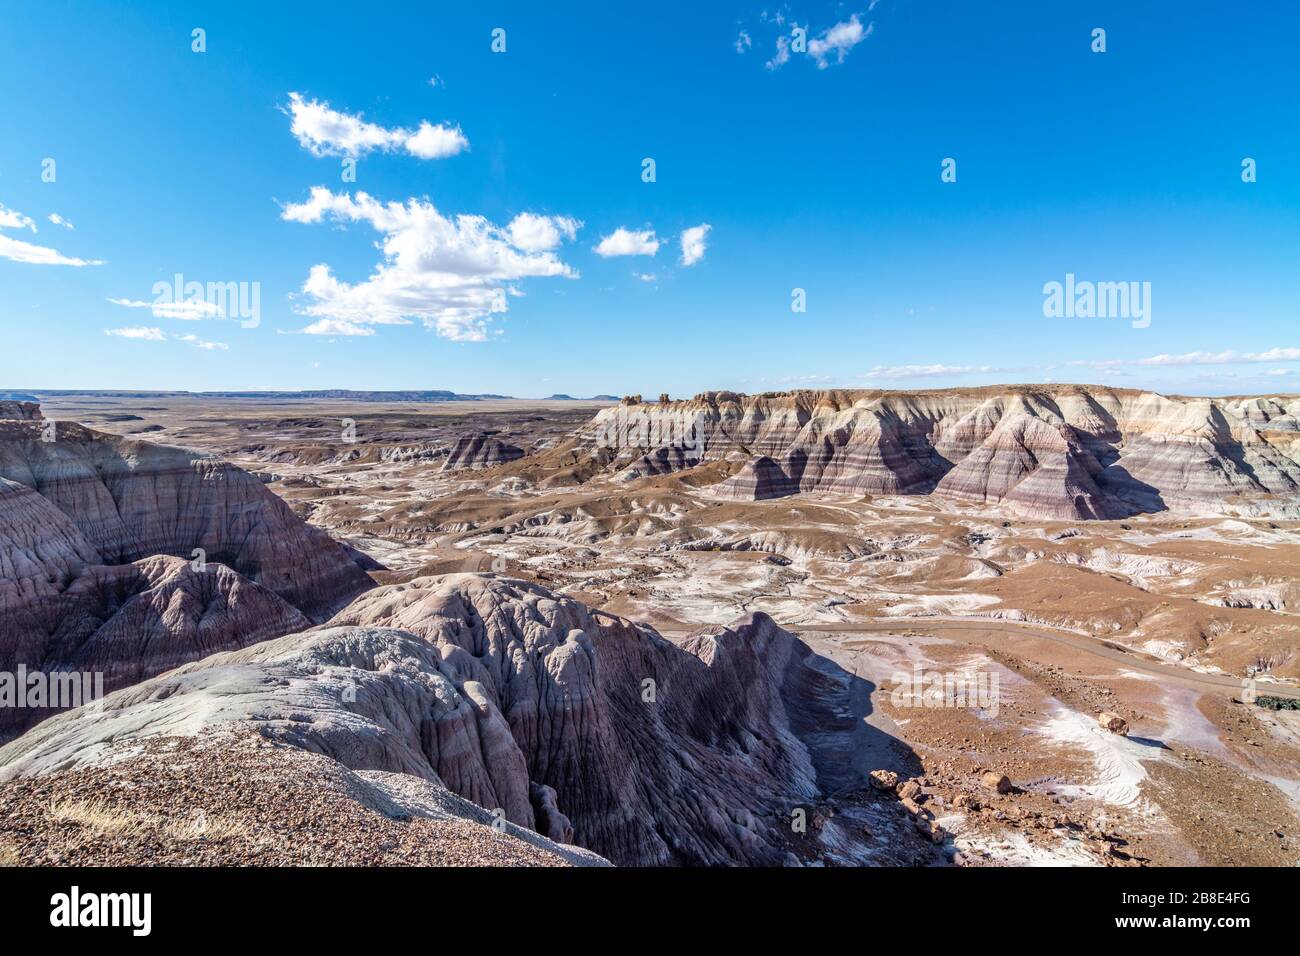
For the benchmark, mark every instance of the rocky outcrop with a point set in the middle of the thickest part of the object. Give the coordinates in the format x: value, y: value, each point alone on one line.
x: 1036, y: 468
x: 123, y: 622
x: 131, y: 621
x: 1051, y: 451
x: 131, y: 500
x: 123, y: 559
x: 222, y: 798
x: 574, y: 723
x: 1195, y: 457
x: 480, y: 451
x: 596, y: 704
x: 851, y: 452
x: 20, y: 411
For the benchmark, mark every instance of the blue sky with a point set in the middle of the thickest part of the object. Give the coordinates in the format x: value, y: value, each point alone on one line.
x: 820, y: 173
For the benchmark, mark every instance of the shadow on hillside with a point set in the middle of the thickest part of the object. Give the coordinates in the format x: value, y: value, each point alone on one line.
x: 1133, y: 496
x: 828, y: 707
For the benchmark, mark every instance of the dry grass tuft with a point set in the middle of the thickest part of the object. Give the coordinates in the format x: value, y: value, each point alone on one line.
x: 102, y: 819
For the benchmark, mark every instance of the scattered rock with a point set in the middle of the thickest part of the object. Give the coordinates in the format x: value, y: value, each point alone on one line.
x: 884, y: 779
x: 996, y: 781
x: 1113, y: 722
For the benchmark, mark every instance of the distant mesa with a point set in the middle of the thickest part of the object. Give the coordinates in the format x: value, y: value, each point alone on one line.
x: 332, y: 394
x: 328, y: 394
x: 1064, y: 452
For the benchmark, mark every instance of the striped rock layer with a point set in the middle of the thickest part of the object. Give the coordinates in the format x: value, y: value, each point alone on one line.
x: 580, y: 725
x: 126, y: 558
x: 1050, y: 452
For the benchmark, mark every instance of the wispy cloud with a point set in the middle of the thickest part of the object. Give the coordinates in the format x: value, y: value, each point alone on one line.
x: 148, y: 333
x: 694, y: 241
x: 926, y: 371
x: 782, y: 55
x: 451, y: 273
x: 1226, y: 357
x: 203, y: 344
x: 189, y: 311
x: 628, y: 242
x: 836, y: 42
x: 17, y: 250
x: 58, y: 220
x: 323, y: 131
x: 806, y: 379
x: 831, y: 46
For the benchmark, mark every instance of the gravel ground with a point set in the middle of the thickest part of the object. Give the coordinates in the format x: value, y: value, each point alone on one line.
x: 238, y: 800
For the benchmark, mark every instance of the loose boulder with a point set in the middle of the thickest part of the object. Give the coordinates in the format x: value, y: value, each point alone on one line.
x: 1113, y: 722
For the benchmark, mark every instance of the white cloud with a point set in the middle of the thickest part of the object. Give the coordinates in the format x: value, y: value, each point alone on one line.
x: 326, y: 132
x: 436, y: 81
x: 190, y: 310
x: 58, y: 220
x: 832, y: 45
x: 19, y: 251
x: 451, y: 273
x: 693, y: 243
x: 138, y: 332
x: 148, y: 333
x: 1226, y: 357
x: 340, y: 327
x: 805, y: 379
x: 838, y: 41
x: 202, y: 344
x: 645, y: 276
x: 533, y: 233
x: 627, y: 242
x: 436, y: 142
x: 782, y: 56
x: 12, y: 219
x: 926, y: 371
x: 743, y: 42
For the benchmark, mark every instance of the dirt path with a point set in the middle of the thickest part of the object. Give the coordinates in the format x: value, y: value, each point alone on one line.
x: 981, y: 632
x: 985, y: 632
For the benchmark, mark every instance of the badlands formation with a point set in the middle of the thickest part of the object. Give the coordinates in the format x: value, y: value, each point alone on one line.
x: 674, y: 633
